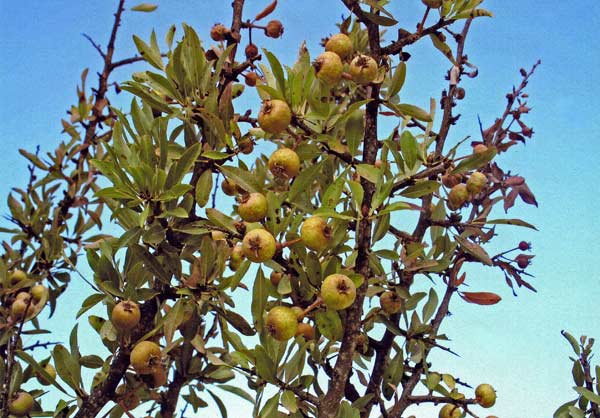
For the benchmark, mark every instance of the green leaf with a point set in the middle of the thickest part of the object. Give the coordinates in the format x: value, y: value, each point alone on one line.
x: 237, y: 391
x: 472, y: 13
x: 475, y: 250
x: 442, y: 47
x: 409, y: 148
x: 380, y: 20
x: 144, y: 7
x: 420, y: 189
x: 588, y: 394
x: 397, y: 80
x: 475, y: 161
x: 304, y: 180
x: 33, y: 159
x: 220, y: 404
x: 39, y: 370
x: 369, y: 172
x: 204, y: 187
x: 392, y: 207
x: 265, y: 368
x: 289, y: 401
x: 151, y: 55
x: 242, y: 178
x: 220, y: 219
x: 430, y: 306
x: 277, y: 70
x: 517, y: 222
x: 572, y: 341
x: 330, y: 324
x: 183, y: 166
x: 239, y: 323
x: 66, y: 366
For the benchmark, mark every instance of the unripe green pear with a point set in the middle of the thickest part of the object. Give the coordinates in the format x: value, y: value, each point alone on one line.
x: 259, y: 245
x: 458, y: 196
x: 274, y: 116
x: 363, y: 69
x: 485, y: 395
x: 338, y: 291
x: 20, y: 308
x: 341, y: 44
x: 281, y: 323
x: 21, y: 404
x: 328, y: 67
x: 285, y: 163
x: 476, y: 183
x: 315, y: 233
x: 253, y: 207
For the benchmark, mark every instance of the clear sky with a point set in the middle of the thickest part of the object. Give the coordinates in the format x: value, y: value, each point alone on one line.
x: 515, y: 345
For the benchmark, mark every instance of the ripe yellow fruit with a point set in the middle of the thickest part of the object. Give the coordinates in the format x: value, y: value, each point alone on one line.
x: 338, y: 291
x: 145, y: 357
x: 20, y: 308
x: 125, y: 315
x: 363, y: 69
x: 274, y: 116
x: 281, y: 323
x: 16, y: 277
x: 253, y: 207
x: 285, y: 163
x: 315, y: 233
x: 341, y: 44
x: 259, y: 245
x: 328, y: 67
x: 485, y: 395
x: 275, y: 277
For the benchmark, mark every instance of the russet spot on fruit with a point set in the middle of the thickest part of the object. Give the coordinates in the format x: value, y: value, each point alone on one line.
x: 390, y: 302
x: 21, y: 404
x: 145, y: 357
x: 315, y: 233
x: 450, y: 411
x: 285, y: 163
x: 282, y: 323
x: 253, y: 207
x: 338, y: 291
x: 363, y: 69
x: 485, y: 395
x: 259, y: 245
x: 340, y: 44
x: 328, y: 67
x: 274, y: 116
x: 125, y: 315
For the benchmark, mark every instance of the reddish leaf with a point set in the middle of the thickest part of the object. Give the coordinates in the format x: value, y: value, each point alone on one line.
x: 509, y: 201
x: 527, y: 195
x: 514, y: 181
x: 481, y: 298
x: 267, y: 11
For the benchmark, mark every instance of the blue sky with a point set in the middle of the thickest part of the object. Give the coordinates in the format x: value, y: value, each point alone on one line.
x: 515, y: 345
